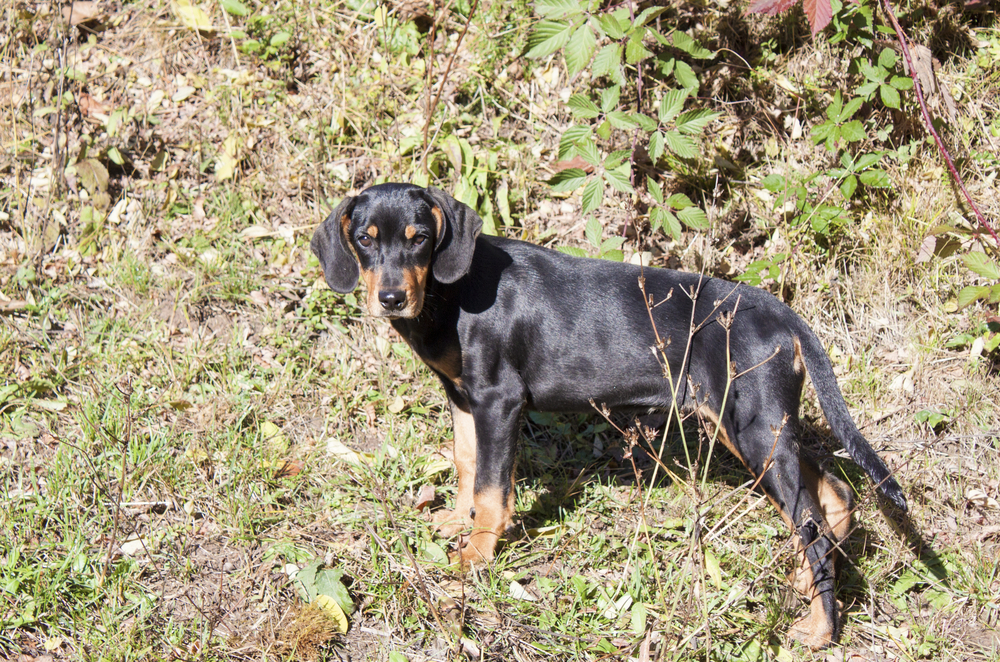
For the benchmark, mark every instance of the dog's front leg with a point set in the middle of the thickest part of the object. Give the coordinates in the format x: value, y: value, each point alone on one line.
x: 497, y: 416
x: 450, y: 522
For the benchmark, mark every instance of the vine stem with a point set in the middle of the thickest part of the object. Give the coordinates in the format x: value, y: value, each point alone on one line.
x: 887, y: 8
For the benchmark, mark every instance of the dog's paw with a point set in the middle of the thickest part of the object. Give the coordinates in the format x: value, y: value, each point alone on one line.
x: 477, y: 548
x: 813, y: 631
x: 449, y: 523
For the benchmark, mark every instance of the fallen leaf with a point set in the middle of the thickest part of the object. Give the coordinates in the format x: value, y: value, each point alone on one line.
x: 470, y: 649
x: 133, y: 546
x: 397, y: 405
x: 981, y: 499
x: 229, y: 157
x: 289, y: 468
x: 89, y: 105
x: 12, y: 306
x: 333, y: 610
x: 425, y: 497
x: 926, y: 67
x: 93, y: 174
x: 926, y: 250
x: 192, y: 16
x: 256, y: 232
x: 81, y: 11
x: 339, y: 451
x: 182, y: 94
x: 272, y: 435
x: 518, y: 592
x: 575, y: 162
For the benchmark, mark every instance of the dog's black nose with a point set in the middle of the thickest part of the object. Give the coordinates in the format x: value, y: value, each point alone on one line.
x: 392, y: 299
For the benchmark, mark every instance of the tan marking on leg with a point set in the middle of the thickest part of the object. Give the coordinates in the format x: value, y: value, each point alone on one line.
x: 372, y: 231
x: 494, y: 514
x: 415, y: 281
x: 450, y: 522
x: 813, y: 630
x: 373, y: 282
x: 833, y: 496
x: 798, y: 364
x: 410, y: 232
x: 835, y: 502
x: 439, y: 220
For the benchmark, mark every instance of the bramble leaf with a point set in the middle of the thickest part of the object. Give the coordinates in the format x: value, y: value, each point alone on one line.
x: 580, y: 49
x: 681, y: 145
x: 583, y: 107
x: 593, y: 195
x: 548, y: 37
x: 979, y: 263
x: 619, y: 179
x: 671, y: 104
x: 557, y: 8
x: 568, y: 180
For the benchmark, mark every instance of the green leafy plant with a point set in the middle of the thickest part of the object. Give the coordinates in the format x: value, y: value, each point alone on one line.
x: 861, y: 168
x: 607, y: 249
x: 935, y: 420
x: 839, y: 128
x: 617, y: 45
x: 883, y: 79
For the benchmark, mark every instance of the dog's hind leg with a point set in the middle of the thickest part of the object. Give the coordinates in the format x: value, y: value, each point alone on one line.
x: 803, y: 496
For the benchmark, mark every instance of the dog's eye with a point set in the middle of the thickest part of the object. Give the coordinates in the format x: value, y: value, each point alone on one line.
x: 365, y: 240
x: 419, y: 241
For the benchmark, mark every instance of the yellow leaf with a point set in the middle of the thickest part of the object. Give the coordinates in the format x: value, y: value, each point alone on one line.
x: 338, y: 450
x: 712, y: 569
x: 272, y: 434
x: 333, y: 611
x: 229, y: 156
x: 192, y: 17
x: 196, y: 453
x: 397, y: 405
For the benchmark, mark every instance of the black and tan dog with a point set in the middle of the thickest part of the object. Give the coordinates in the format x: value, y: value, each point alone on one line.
x: 508, y: 325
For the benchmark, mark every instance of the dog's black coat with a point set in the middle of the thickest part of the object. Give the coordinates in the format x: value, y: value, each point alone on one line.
x: 509, y: 325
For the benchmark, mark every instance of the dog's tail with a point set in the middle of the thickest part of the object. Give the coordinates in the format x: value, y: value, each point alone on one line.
x: 818, y: 364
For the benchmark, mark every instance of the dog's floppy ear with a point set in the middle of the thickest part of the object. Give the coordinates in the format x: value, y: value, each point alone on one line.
x: 340, y: 266
x: 458, y: 227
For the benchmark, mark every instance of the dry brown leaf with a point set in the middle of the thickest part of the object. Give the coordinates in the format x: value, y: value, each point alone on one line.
x: 89, y: 105
x: 926, y: 67
x: 425, y: 497
x: 575, y: 162
x: 289, y: 468
x: 81, y: 11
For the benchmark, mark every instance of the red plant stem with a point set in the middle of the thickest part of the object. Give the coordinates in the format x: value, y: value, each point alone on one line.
x: 887, y: 8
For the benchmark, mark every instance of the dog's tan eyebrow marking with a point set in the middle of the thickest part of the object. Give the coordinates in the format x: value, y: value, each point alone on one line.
x: 372, y: 231
x: 410, y: 231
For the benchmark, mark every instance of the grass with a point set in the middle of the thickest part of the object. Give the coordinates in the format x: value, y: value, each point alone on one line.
x: 178, y: 386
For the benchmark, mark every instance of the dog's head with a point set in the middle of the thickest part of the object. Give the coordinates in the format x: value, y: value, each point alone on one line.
x: 396, y: 236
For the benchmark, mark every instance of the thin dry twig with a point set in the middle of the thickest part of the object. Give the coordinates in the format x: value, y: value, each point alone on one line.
x: 444, y: 79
